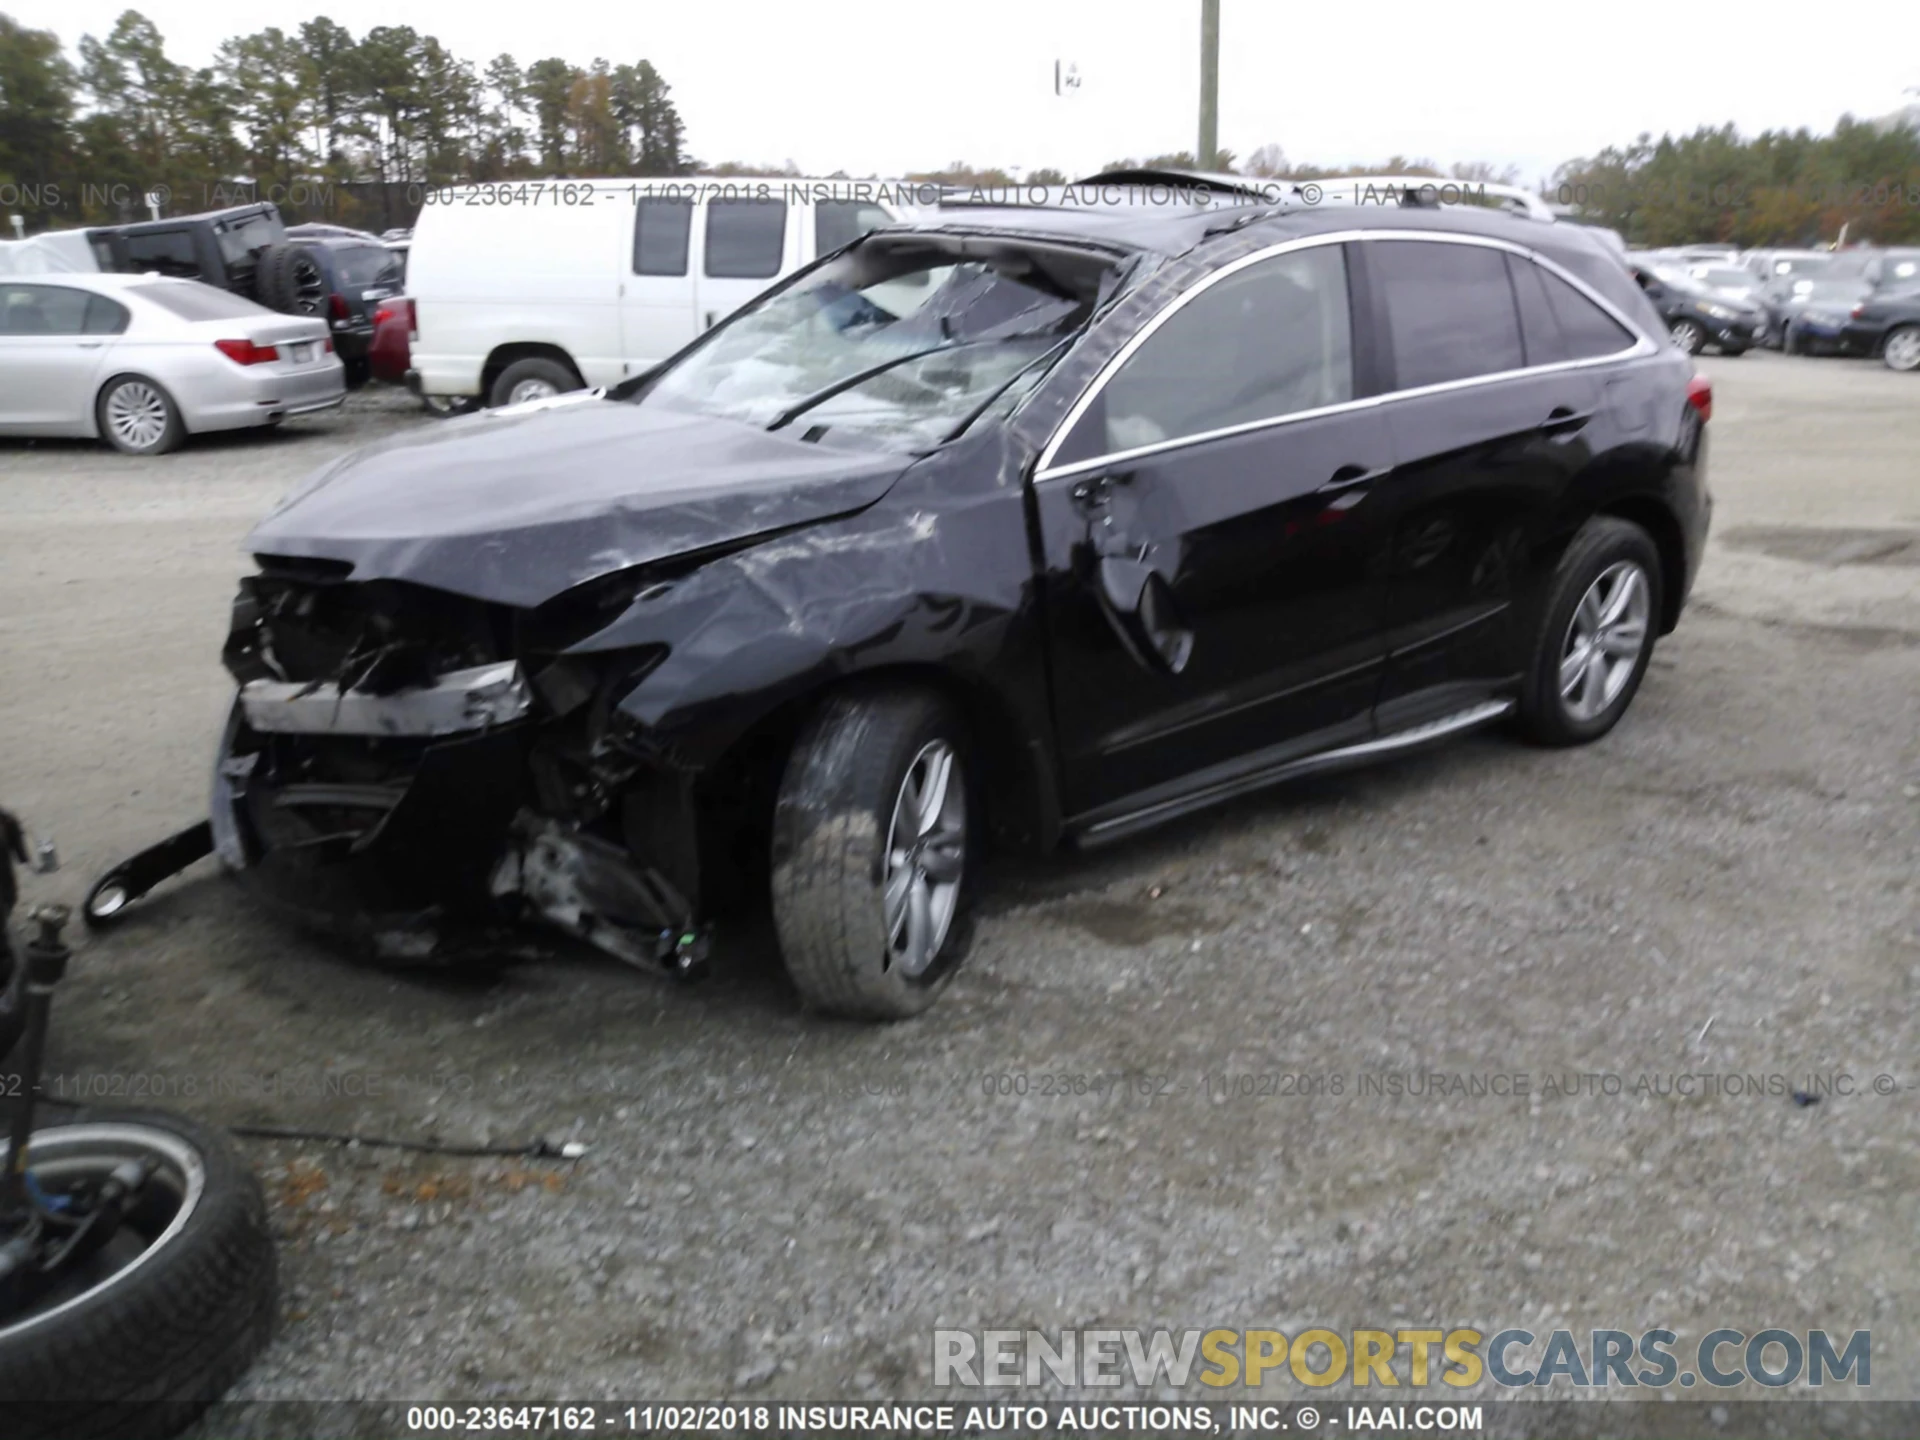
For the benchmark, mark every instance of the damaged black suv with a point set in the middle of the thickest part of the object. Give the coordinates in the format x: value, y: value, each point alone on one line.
x: 1019, y: 525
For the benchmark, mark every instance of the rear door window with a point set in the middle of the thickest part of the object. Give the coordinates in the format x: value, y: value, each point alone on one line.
x: 1539, y: 329
x: 745, y: 238
x: 1449, y: 310
x: 661, y: 225
x: 42, y: 310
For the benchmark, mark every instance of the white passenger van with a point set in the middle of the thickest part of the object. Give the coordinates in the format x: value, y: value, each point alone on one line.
x: 523, y: 289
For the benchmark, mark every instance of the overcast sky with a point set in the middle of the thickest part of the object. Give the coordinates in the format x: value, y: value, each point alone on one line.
x: 886, y: 86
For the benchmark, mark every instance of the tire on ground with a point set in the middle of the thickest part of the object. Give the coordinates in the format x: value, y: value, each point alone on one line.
x: 830, y: 825
x: 556, y: 374
x: 1601, y: 542
x: 146, y: 1353
x: 171, y: 433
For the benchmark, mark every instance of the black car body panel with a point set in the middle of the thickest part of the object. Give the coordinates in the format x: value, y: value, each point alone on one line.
x: 629, y: 607
x: 516, y: 505
x: 1871, y: 321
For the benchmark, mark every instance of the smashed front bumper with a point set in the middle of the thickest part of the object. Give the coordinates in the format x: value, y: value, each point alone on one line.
x: 412, y: 822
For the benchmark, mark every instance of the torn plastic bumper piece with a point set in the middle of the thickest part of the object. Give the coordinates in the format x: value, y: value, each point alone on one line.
x: 593, y: 889
x: 113, y: 892
x: 457, y: 702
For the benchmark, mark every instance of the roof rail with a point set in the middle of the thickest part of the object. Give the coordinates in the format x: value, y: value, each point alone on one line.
x: 1418, y: 190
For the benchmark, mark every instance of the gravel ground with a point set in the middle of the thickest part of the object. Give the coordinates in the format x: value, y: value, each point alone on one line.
x: 780, y: 1207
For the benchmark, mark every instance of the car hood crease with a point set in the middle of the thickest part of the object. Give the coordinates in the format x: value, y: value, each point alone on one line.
x: 515, y: 507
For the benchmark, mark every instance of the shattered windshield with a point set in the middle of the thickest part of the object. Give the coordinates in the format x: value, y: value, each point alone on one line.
x: 894, y: 344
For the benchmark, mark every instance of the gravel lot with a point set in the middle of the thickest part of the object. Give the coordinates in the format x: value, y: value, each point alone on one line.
x: 782, y: 1207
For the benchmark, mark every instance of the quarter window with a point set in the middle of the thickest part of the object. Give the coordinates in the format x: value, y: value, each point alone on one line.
x: 1449, y: 310
x: 661, y: 224
x: 745, y: 238
x: 1269, y: 341
x: 1590, y: 332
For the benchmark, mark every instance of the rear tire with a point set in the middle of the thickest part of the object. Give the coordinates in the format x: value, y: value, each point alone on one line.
x: 137, y: 416
x: 1587, y: 665
x: 154, y: 1343
x: 533, y: 379
x: 874, y: 805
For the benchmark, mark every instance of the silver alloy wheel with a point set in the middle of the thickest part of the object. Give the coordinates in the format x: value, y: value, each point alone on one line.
x: 926, y: 853
x: 69, y: 1155
x: 1609, y: 629
x: 531, y: 389
x: 1903, y: 349
x: 1688, y: 336
x: 137, y: 414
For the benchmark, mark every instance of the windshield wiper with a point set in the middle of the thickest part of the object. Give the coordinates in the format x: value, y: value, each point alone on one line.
x: 974, y: 414
x: 860, y: 377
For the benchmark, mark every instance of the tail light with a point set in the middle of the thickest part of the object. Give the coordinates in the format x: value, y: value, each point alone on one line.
x: 1700, y: 396
x: 337, y: 308
x: 245, y: 352
x: 413, y: 320
x: 326, y: 345
x: 1859, y: 310
x: 382, y: 315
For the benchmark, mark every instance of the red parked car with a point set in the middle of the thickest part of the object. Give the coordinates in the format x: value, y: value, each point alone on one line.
x: 389, y: 352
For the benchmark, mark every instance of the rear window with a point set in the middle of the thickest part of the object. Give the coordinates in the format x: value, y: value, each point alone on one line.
x: 1450, y: 310
x: 240, y: 238
x: 745, y: 238
x: 838, y: 222
x: 198, y: 302
x: 661, y: 225
x: 363, y: 265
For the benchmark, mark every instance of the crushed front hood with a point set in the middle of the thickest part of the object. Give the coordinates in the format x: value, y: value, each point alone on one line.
x: 516, y: 506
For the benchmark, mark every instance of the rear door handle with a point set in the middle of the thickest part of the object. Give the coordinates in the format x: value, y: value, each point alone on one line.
x: 1563, y: 421
x: 1348, y: 476
x: 86, y: 344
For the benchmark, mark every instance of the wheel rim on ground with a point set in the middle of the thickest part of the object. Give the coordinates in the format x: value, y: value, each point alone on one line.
x: 1604, y: 639
x: 1903, y: 350
x: 70, y: 1155
x: 1686, y: 334
x: 137, y: 414
x: 526, y: 390
x: 926, y: 853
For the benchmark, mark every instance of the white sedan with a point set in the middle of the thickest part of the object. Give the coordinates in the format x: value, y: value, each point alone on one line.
x: 142, y: 361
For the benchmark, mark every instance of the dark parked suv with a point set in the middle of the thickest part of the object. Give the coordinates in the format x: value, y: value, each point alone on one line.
x: 1017, y: 526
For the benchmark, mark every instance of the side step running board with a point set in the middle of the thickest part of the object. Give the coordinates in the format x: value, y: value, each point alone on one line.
x: 1344, y: 756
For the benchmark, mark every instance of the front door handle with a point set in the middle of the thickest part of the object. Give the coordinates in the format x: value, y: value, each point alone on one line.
x: 1348, y: 476
x: 86, y: 344
x: 1564, y: 421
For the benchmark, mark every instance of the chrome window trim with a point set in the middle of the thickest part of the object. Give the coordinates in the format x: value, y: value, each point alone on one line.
x: 1045, y: 469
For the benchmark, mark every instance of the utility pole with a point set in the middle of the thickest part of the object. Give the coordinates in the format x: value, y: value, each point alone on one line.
x: 1209, y: 84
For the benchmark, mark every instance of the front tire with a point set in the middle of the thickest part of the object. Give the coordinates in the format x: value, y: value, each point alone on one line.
x: 1688, y: 336
x: 1902, y: 350
x: 870, y: 855
x: 148, y: 1339
x: 1596, y: 634
x: 138, y: 417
